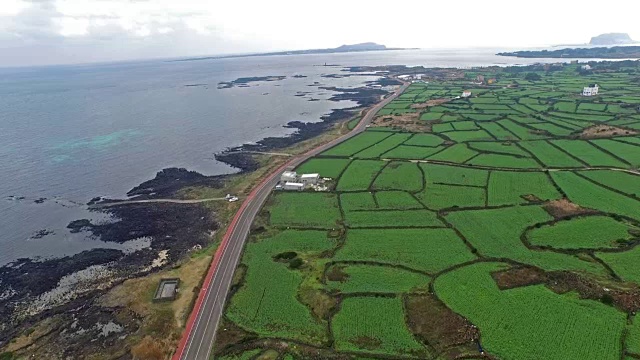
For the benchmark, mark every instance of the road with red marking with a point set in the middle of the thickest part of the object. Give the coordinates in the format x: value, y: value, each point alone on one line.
x: 199, y: 335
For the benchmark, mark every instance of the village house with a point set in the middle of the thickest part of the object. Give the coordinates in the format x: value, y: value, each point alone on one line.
x: 466, y: 94
x: 309, y: 179
x: 289, y: 176
x: 586, y: 67
x: 591, y: 90
x: 293, y: 186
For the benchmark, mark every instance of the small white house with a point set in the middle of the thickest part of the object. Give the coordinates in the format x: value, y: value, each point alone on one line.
x: 293, y: 186
x: 586, y: 67
x: 591, y: 90
x: 309, y: 179
x: 289, y: 176
x: 466, y: 94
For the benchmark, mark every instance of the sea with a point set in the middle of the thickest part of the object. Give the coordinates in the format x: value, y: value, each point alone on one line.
x: 71, y: 133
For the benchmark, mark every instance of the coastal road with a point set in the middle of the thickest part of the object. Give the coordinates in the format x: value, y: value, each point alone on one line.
x: 197, y: 340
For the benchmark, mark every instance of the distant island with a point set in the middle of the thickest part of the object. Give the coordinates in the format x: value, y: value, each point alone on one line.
x: 616, y: 52
x: 612, y: 39
x: 367, y: 46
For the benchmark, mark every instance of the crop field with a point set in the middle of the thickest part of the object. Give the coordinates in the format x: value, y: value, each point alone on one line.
x: 370, y: 324
x: 507, y: 221
x: 591, y: 232
x: 375, y: 279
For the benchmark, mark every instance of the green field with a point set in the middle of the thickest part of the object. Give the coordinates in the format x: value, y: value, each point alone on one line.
x: 532, y: 322
x: 305, y: 210
x: 513, y: 228
x: 375, y: 325
x: 592, y: 232
x: 406, y: 247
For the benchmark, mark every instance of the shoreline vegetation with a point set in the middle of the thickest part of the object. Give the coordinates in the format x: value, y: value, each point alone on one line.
x: 106, y: 294
x: 615, y: 52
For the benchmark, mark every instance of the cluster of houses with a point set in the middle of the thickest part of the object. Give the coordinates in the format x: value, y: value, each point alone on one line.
x: 412, y: 77
x: 292, y: 181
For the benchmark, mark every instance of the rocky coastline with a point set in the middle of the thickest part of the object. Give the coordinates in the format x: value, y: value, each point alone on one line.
x: 65, y: 291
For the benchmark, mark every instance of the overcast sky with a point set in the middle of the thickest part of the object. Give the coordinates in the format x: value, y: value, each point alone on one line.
x: 72, y: 31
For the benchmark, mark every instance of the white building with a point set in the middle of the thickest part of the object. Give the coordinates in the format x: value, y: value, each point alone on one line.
x: 289, y: 176
x: 466, y: 94
x: 293, y: 186
x: 591, y: 90
x: 586, y: 67
x: 309, y: 179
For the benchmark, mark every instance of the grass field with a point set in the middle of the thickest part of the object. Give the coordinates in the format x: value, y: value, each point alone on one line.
x: 359, y: 175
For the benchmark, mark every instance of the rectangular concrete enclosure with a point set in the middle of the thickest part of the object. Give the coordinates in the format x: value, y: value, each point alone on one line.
x: 167, y: 289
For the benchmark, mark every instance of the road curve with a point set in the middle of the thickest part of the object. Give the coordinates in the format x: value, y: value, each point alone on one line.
x: 197, y: 340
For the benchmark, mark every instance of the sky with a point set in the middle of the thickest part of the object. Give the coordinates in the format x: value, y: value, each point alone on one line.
x: 39, y: 32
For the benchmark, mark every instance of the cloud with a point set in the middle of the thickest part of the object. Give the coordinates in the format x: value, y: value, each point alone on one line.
x: 100, y: 30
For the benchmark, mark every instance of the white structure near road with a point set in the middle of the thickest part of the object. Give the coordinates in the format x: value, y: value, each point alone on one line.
x: 309, y: 179
x: 591, y: 90
x: 293, y: 186
x: 466, y: 94
x: 289, y: 176
x: 586, y: 67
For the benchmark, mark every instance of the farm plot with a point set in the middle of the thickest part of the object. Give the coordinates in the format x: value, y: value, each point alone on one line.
x: 622, y: 181
x: 444, y: 174
x: 438, y: 196
x: 512, y: 188
x: 589, y: 154
x: 411, y: 152
x: 627, y: 152
x: 549, y: 155
x: 400, y: 176
x: 497, y: 131
x: 587, y: 194
x: 357, y: 143
x: 479, y: 228
x: 305, y: 210
x: 268, y: 304
x: 359, y: 175
x: 374, y: 278
x: 374, y: 325
x: 470, y: 135
x: 503, y: 148
x: 399, y: 200
x: 424, y: 140
x: 458, y: 153
x: 590, y: 232
x: 392, y: 218
x: 624, y: 264
x: 504, y: 161
x: 383, y: 146
x: 429, y: 250
x: 331, y: 168
x: 358, y: 201
x: 532, y: 322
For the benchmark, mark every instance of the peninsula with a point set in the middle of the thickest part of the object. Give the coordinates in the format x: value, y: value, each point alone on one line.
x: 362, y: 47
x: 615, y: 52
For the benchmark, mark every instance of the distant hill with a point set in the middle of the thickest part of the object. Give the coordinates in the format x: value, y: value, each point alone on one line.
x: 367, y: 46
x: 615, y: 52
x: 612, y: 39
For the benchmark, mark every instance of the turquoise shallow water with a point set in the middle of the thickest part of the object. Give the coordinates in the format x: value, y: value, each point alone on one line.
x: 70, y: 133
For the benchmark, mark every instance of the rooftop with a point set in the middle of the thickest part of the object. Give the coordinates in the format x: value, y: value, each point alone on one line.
x: 306, y: 176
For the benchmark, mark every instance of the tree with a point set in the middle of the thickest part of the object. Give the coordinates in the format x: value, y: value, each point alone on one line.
x: 532, y: 77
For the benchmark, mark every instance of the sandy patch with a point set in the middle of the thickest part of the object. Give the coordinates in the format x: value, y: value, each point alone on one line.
x: 605, y: 131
